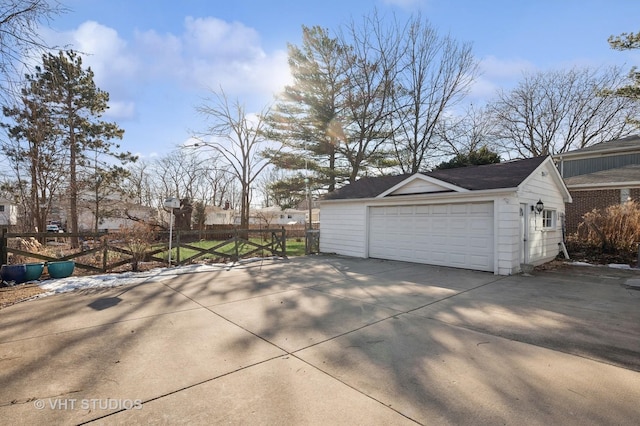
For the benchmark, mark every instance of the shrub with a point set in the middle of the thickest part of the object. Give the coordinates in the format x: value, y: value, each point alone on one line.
x: 616, y: 229
x: 138, y: 240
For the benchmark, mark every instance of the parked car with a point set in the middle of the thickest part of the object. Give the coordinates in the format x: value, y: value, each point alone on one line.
x: 53, y: 228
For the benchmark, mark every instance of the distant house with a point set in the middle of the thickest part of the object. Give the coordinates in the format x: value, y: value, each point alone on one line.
x: 123, y: 215
x: 599, y: 176
x: 275, y: 216
x: 219, y: 216
x: 495, y: 217
x: 8, y: 213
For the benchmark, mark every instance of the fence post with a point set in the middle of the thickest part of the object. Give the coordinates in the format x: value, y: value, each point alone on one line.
x: 236, y: 248
x: 105, y: 253
x: 177, y: 247
x: 3, y: 247
x: 284, y: 242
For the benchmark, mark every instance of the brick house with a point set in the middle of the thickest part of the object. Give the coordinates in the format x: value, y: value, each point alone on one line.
x: 599, y: 176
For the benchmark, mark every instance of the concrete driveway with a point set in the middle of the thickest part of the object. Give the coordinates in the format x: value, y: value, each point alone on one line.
x: 330, y: 340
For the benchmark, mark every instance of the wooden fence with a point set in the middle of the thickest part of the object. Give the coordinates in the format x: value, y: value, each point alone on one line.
x: 103, y: 252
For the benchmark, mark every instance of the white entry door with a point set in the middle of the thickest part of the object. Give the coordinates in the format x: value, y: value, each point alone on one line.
x: 457, y: 235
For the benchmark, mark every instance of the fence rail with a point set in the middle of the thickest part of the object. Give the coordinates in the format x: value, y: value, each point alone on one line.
x: 103, y: 252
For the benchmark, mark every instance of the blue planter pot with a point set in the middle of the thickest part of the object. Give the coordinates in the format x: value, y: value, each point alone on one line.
x: 34, y: 271
x: 60, y: 269
x: 14, y: 273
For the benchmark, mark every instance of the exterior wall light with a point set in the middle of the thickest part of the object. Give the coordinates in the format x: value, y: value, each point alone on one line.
x: 539, y: 206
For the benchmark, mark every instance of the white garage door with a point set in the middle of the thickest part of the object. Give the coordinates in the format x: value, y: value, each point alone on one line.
x: 457, y: 235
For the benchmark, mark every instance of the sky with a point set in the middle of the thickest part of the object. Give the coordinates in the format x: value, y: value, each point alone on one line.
x: 160, y: 59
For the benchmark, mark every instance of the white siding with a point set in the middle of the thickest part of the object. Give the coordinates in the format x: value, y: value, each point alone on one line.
x: 9, y: 215
x: 343, y: 228
x: 543, y: 244
x: 507, y: 217
x: 419, y: 186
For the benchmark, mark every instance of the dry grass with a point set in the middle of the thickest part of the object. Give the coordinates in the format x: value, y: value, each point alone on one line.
x: 12, y: 295
x: 617, y: 228
x: 612, y: 233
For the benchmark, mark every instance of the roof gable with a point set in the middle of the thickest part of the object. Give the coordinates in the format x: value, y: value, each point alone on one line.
x: 548, y: 168
x: 420, y: 184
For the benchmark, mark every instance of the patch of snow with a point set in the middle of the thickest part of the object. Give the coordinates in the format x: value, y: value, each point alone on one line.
x: 619, y: 266
x: 63, y: 285
x: 580, y: 264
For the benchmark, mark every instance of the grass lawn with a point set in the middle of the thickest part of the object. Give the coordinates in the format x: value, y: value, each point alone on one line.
x: 293, y: 248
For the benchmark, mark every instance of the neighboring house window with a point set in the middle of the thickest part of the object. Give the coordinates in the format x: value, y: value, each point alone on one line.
x: 548, y: 219
x: 1, y: 208
x: 289, y: 216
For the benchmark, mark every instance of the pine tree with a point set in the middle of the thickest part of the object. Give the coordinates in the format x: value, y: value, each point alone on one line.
x: 75, y: 105
x: 307, y: 116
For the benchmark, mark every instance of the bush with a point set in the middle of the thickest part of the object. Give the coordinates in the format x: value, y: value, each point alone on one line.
x: 614, y: 230
x: 138, y: 240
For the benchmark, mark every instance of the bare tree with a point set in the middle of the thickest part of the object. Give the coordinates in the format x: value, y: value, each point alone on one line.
x: 435, y: 73
x: 138, y: 185
x: 19, y: 38
x: 467, y: 133
x: 179, y: 174
x: 239, y: 140
x: 558, y: 111
x: 372, y: 57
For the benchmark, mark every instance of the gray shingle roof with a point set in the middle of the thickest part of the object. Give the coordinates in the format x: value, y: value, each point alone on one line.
x: 623, y: 144
x: 509, y: 174
x: 620, y: 175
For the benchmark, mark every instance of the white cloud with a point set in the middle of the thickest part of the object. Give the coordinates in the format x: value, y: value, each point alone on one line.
x: 493, y: 67
x: 212, y: 53
x: 498, y: 74
x: 406, y: 4
x: 212, y: 37
x: 101, y: 48
x: 120, y: 110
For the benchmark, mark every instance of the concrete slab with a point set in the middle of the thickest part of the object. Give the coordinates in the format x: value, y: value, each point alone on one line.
x: 438, y: 374
x: 88, y: 308
x: 594, y: 319
x: 284, y: 391
x: 137, y: 359
x: 395, y: 294
x: 224, y: 286
x: 299, y: 318
x: 328, y: 339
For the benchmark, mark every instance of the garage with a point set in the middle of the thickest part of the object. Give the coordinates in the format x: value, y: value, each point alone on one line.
x: 495, y: 217
x: 458, y: 235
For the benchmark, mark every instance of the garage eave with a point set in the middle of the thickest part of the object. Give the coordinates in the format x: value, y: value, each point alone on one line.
x: 437, y: 196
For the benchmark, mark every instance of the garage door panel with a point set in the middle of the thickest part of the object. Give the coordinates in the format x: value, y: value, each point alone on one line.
x: 439, y: 210
x: 458, y: 209
x: 458, y: 235
x: 460, y: 224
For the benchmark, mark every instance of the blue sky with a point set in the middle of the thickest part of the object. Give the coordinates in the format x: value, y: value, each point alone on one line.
x: 157, y: 59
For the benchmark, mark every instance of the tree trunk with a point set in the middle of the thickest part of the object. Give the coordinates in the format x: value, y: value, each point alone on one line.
x: 73, y: 188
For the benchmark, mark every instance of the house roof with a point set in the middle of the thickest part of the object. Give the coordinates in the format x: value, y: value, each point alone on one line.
x: 621, y: 175
x: 509, y: 174
x: 629, y: 143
